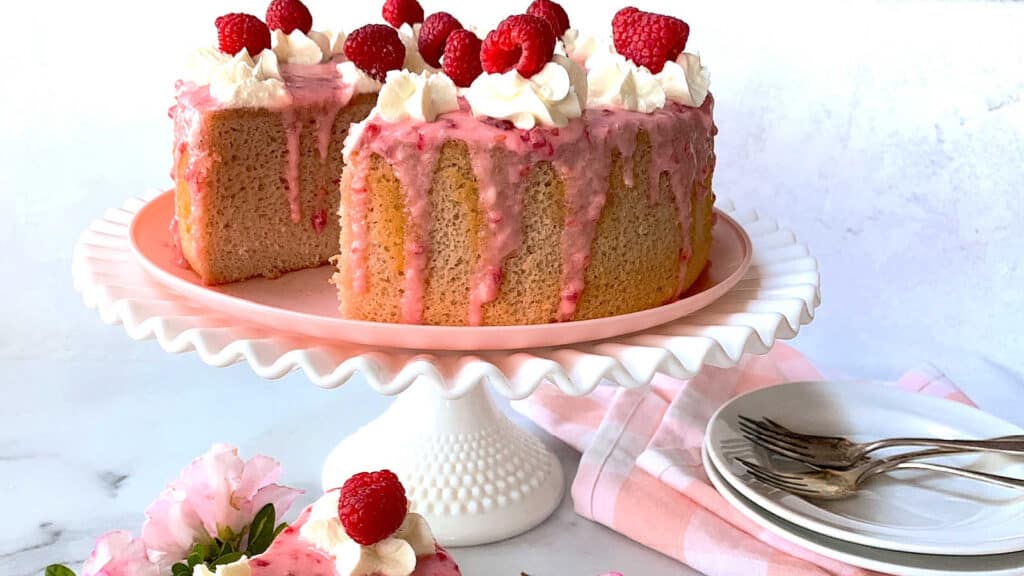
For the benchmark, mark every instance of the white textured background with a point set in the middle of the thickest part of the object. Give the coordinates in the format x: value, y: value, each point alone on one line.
x: 889, y: 135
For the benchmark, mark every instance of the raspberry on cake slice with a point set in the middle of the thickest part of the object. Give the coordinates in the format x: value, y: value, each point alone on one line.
x: 363, y: 528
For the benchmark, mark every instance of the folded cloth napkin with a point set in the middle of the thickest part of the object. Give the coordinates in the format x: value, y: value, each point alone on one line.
x: 641, y: 472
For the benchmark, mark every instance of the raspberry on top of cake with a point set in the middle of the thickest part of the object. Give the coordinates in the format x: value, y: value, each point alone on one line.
x: 363, y: 528
x: 543, y: 175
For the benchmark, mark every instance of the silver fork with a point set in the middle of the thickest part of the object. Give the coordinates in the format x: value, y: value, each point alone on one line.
x: 839, y: 452
x: 827, y: 484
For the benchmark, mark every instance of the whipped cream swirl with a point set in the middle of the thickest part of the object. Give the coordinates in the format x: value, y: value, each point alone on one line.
x: 685, y: 81
x: 394, y: 556
x: 421, y: 97
x: 361, y: 82
x: 551, y: 97
x: 240, y: 80
x: 300, y: 48
x: 615, y: 82
x: 580, y: 47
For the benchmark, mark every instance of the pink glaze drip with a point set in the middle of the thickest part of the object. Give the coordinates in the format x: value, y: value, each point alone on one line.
x: 501, y: 155
x: 292, y: 129
x: 290, y: 555
x: 414, y: 168
x: 316, y: 86
x: 189, y: 135
x: 359, y: 241
x: 501, y: 203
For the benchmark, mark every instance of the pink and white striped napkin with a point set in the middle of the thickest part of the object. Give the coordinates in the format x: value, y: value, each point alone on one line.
x: 641, y: 472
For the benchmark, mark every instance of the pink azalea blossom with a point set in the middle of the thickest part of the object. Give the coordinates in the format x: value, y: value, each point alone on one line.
x: 217, y: 495
x: 119, y: 554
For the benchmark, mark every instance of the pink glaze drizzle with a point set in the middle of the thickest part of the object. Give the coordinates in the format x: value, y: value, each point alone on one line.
x: 292, y: 129
x: 502, y: 155
x: 359, y: 231
x: 189, y: 136
x: 501, y: 203
x: 317, y: 86
x: 414, y: 168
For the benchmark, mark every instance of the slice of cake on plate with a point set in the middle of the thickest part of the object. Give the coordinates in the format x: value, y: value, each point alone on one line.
x: 524, y: 185
x: 259, y: 123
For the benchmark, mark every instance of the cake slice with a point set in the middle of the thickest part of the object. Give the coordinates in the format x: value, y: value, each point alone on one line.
x: 259, y: 124
x: 361, y: 529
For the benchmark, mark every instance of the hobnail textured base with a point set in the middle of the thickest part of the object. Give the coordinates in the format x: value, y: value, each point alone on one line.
x: 467, y: 468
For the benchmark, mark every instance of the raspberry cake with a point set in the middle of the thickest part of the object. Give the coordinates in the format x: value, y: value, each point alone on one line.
x: 530, y: 175
x: 542, y: 177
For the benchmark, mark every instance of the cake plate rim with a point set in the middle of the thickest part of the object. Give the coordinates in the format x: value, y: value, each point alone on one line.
x: 778, y: 295
x: 149, y: 224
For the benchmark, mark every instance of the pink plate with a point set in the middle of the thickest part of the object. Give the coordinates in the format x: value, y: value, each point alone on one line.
x: 305, y: 303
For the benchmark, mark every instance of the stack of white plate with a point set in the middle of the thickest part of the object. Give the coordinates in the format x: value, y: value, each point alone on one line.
x: 908, y: 522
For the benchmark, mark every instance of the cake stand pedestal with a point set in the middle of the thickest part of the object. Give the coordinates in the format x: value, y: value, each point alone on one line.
x: 476, y: 476
x: 468, y: 468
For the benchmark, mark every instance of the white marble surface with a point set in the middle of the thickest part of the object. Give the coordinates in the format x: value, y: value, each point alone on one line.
x: 890, y: 136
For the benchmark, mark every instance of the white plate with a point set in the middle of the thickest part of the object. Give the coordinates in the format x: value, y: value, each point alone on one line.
x: 909, y: 511
x: 877, y: 559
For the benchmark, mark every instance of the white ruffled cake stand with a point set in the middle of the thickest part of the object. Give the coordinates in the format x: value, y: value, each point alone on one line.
x: 476, y: 476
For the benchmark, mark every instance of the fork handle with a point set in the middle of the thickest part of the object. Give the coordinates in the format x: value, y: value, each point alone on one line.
x: 1002, y: 446
x: 996, y: 479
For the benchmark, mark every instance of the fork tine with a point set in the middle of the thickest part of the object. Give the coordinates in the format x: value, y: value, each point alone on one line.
x: 787, y: 488
x: 755, y: 468
x: 804, y: 450
x: 796, y: 491
x: 770, y: 478
x: 791, y: 432
x: 784, y: 437
x: 781, y: 450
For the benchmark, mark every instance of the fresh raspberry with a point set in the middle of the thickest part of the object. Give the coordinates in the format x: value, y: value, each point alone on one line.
x: 462, y: 57
x: 398, y: 12
x: 649, y: 39
x: 237, y: 31
x: 523, y: 42
x: 375, y: 49
x: 433, y: 35
x: 288, y: 16
x: 553, y: 13
x: 372, y: 506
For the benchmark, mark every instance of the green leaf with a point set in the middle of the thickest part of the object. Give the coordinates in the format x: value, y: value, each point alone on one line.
x: 59, y: 570
x: 197, y: 556
x: 180, y: 569
x: 227, y: 559
x: 280, y: 528
x: 261, y: 532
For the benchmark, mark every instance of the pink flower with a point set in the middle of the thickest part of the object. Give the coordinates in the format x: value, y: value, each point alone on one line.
x: 118, y: 554
x: 216, y: 496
